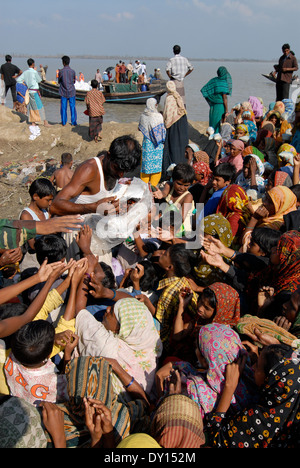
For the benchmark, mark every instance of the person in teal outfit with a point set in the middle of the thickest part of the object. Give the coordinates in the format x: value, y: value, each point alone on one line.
x: 215, y: 92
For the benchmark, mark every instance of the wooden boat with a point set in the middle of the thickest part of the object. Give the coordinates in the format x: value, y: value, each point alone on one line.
x: 273, y: 78
x: 119, y: 93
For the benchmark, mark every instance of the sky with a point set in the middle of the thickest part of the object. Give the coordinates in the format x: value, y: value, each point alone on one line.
x: 207, y: 29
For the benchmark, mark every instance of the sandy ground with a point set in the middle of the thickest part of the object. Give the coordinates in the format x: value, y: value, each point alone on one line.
x: 22, y: 159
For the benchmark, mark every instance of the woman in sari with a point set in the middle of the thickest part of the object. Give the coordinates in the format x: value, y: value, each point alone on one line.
x: 215, y: 92
x: 217, y: 346
x: 152, y: 126
x: 279, y: 201
x: 273, y: 422
x: 126, y: 334
x: 233, y: 205
x: 176, y: 123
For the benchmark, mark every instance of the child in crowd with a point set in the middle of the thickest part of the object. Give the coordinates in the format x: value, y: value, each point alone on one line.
x: 223, y: 176
x: 62, y: 176
x: 51, y: 247
x: 41, y: 192
x: 177, y: 196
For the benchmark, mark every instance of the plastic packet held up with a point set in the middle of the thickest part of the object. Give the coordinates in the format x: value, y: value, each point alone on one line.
x: 135, y: 204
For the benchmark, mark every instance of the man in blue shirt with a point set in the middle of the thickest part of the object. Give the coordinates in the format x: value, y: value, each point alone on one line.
x: 67, y: 91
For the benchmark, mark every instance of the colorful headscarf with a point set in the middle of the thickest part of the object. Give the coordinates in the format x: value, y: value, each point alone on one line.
x: 177, y: 423
x: 138, y: 342
x: 220, y: 345
x: 257, y: 106
x: 233, y: 205
x: 174, y: 107
x: 228, y: 304
x: 243, y: 128
x: 284, y: 201
x: 271, y: 423
x: 286, y: 275
x: 204, y: 169
x: 139, y: 440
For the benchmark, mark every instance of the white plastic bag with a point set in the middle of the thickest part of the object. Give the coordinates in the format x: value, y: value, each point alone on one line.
x: 114, y: 229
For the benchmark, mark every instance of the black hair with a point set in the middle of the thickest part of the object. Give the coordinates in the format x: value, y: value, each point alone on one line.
x: 182, y: 259
x: 66, y: 158
x: 30, y: 62
x: 286, y: 46
x: 225, y: 170
x: 66, y: 60
x: 176, y: 49
x: 247, y: 159
x: 209, y: 294
x: 8, y: 58
x: 273, y: 354
x: 266, y: 238
x: 149, y: 279
x: 94, y: 84
x: 296, y: 190
x: 50, y: 246
x: 109, y: 280
x: 126, y: 152
x: 184, y: 172
x: 33, y: 343
x: 42, y: 187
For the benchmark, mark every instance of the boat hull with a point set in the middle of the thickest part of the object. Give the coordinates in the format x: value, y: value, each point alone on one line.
x: 51, y: 90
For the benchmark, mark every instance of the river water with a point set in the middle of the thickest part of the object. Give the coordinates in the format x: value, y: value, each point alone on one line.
x: 246, y: 76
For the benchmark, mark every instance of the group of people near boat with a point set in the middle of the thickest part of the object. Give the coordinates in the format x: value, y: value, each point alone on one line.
x: 185, y: 332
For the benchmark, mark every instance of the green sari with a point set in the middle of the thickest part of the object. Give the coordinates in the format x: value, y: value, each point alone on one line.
x: 213, y: 92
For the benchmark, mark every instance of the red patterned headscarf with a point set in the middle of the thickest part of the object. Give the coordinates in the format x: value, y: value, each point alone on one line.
x: 228, y: 304
x: 201, y: 167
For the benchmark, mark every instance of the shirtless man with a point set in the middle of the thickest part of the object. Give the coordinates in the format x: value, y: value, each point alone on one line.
x: 94, y: 180
x: 62, y: 176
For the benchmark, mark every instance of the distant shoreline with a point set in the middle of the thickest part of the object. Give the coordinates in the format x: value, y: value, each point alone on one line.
x: 115, y: 57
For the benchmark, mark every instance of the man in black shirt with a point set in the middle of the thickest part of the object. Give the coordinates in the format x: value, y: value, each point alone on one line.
x: 9, y: 73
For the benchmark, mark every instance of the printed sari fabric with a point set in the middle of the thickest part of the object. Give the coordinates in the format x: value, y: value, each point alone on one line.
x: 91, y: 377
x: 177, y: 423
x: 35, y: 108
x: 233, y: 205
x: 284, y: 277
x: 152, y: 126
x: 274, y: 422
x: 215, y: 225
x: 249, y: 323
x: 220, y: 345
x: 167, y: 305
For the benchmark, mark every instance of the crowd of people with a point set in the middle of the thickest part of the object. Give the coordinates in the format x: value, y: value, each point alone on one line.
x: 183, y: 335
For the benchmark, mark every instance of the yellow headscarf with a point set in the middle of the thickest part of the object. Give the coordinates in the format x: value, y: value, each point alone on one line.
x: 139, y: 440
